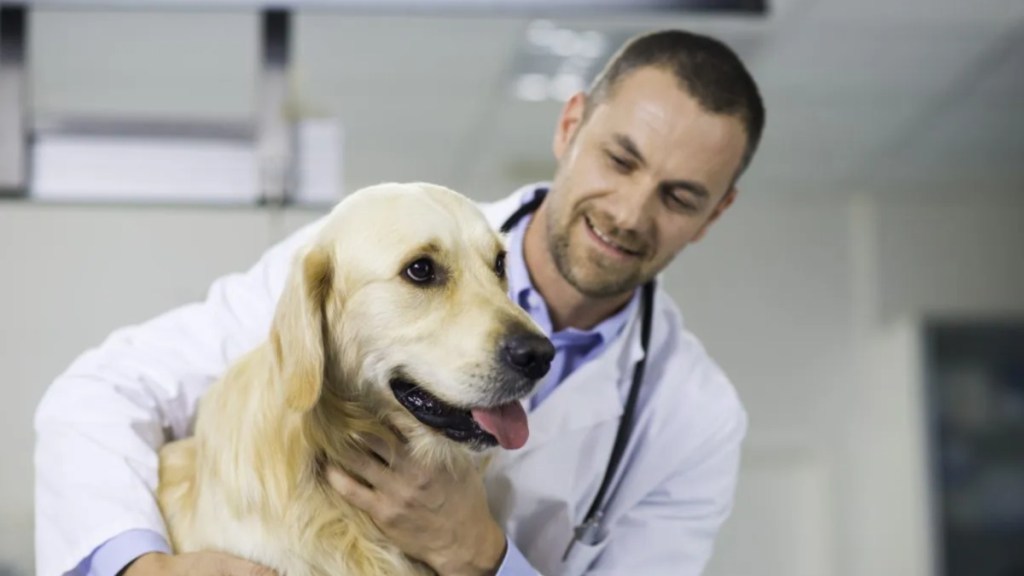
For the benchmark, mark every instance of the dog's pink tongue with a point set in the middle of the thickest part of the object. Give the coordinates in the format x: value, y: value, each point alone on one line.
x: 507, y: 423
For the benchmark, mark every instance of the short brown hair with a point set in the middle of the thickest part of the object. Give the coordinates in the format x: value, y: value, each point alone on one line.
x: 707, y: 69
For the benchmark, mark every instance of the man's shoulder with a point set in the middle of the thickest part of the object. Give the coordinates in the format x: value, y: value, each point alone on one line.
x: 675, y: 342
x: 690, y: 380
x: 496, y: 211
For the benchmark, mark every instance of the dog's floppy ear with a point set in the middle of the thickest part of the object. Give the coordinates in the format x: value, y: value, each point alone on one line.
x: 298, y: 333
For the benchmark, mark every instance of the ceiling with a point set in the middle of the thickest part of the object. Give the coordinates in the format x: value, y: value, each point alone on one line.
x: 914, y: 97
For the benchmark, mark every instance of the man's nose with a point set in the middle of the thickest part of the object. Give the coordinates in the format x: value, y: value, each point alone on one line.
x: 628, y: 208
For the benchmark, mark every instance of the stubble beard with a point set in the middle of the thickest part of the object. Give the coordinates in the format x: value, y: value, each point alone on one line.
x: 594, y: 277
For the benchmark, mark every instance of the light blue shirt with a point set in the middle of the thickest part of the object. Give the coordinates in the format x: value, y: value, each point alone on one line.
x: 572, y: 349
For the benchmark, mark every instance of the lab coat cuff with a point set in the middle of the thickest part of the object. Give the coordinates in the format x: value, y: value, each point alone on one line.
x: 514, y: 563
x: 113, y: 555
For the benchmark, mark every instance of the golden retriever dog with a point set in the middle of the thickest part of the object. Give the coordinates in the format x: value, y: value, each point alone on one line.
x: 395, y: 320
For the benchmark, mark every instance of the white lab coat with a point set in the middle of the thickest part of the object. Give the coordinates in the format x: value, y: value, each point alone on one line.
x: 101, y: 422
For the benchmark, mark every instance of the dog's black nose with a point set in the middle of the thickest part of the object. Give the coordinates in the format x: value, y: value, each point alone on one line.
x: 529, y: 354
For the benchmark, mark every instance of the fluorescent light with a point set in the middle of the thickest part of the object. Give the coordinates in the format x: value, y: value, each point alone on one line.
x: 539, y: 33
x: 532, y: 87
x: 563, y: 43
x: 563, y: 86
x: 556, y: 62
x: 592, y: 44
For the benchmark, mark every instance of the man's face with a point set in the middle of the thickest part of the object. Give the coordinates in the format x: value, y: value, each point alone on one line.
x: 643, y: 176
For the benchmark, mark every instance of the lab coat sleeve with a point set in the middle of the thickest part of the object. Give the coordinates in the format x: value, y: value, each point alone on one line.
x: 100, y: 424
x: 672, y: 530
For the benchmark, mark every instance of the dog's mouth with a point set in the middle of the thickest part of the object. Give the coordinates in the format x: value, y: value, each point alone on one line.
x: 481, y: 427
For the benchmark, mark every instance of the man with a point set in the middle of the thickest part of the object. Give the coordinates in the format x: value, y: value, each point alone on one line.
x: 647, y: 161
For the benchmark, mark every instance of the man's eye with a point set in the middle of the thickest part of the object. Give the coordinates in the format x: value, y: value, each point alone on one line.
x: 678, y: 203
x: 620, y: 163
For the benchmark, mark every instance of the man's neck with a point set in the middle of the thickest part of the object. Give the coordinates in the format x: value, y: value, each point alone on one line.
x: 567, y: 307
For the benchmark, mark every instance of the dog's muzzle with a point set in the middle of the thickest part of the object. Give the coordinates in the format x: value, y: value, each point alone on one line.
x: 455, y: 423
x: 524, y: 358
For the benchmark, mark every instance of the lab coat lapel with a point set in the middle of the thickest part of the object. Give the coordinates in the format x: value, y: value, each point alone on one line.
x: 538, y: 491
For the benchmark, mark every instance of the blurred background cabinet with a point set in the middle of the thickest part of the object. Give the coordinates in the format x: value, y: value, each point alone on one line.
x: 975, y: 374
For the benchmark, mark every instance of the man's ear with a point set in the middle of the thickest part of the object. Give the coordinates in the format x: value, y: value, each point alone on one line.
x: 569, y: 123
x: 298, y: 331
x: 722, y: 206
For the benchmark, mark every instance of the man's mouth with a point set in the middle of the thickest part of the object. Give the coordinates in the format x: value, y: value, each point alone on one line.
x: 608, y: 241
x: 481, y: 427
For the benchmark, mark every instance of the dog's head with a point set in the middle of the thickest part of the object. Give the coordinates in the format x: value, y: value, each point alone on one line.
x: 399, y: 309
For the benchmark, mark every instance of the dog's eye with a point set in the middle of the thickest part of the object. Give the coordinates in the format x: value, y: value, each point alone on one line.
x: 499, y: 265
x: 421, y: 271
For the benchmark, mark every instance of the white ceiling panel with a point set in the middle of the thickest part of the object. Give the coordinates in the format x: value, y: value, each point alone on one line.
x: 973, y: 148
x: 1003, y: 79
x: 968, y: 139
x: 995, y: 13
x: 410, y: 50
x: 824, y: 139
x: 867, y: 95
x: 848, y: 62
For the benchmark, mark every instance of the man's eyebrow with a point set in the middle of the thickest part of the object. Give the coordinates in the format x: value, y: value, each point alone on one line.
x: 696, y: 188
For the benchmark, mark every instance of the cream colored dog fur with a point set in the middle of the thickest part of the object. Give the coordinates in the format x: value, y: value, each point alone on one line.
x: 249, y: 481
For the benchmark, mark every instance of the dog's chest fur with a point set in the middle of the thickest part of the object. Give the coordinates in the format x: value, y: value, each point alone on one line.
x: 247, y: 489
x: 333, y: 547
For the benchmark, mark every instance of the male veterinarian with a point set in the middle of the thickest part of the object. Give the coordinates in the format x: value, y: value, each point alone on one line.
x: 647, y: 160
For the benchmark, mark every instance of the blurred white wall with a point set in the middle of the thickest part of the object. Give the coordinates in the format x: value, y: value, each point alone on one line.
x: 815, y: 310
x: 71, y: 275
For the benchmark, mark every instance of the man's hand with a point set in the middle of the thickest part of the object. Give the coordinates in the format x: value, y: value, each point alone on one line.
x: 194, y: 564
x: 436, y: 516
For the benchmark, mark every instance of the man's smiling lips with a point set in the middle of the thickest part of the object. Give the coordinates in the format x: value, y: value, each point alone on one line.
x: 608, y: 242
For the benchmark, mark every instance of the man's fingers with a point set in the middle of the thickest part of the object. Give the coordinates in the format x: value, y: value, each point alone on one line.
x: 395, y: 429
x: 384, y: 451
x: 351, y: 489
x: 369, y: 468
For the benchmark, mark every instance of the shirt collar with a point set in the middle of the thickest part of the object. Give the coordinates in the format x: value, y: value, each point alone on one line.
x: 522, y: 291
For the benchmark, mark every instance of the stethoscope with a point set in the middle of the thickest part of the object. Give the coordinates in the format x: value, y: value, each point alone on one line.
x: 587, y: 531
